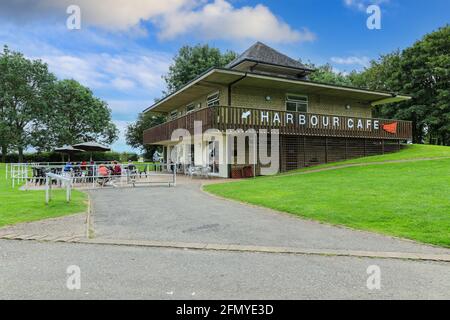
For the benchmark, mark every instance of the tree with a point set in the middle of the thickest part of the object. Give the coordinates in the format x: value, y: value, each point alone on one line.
x: 23, y: 84
x: 326, y: 74
x: 135, y: 131
x: 191, y: 62
x: 423, y: 71
x: 76, y: 116
x: 187, y: 65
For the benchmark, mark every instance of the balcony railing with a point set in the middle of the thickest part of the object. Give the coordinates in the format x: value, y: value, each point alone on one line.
x: 288, y: 123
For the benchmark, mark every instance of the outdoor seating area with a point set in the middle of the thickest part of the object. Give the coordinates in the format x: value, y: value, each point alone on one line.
x: 95, y: 174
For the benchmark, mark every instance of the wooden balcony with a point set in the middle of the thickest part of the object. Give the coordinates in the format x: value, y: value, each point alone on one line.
x: 288, y: 123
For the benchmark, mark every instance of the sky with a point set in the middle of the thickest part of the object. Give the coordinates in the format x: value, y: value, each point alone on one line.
x: 124, y: 47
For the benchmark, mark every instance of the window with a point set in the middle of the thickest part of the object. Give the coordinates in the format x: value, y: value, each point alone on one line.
x: 173, y: 114
x: 213, y: 99
x: 296, y: 103
x: 190, y: 108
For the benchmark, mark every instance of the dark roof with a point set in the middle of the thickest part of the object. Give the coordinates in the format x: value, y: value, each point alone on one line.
x: 259, y: 52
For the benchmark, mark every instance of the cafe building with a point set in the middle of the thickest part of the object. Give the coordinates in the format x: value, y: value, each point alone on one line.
x: 265, y: 90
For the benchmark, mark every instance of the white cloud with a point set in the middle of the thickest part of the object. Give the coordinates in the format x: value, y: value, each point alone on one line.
x: 124, y: 72
x: 353, y: 60
x: 363, y: 4
x: 203, y: 19
x: 220, y: 20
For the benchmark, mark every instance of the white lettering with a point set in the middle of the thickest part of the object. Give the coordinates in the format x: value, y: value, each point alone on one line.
x: 289, y: 118
x: 350, y: 123
x: 336, y: 121
x: 374, y: 20
x: 73, y: 22
x: 325, y: 121
x: 74, y: 279
x: 276, y: 118
x: 376, y: 124
x: 360, y: 124
x: 368, y: 124
x: 302, y: 119
x: 374, y: 280
x: 264, y: 116
x: 314, y: 120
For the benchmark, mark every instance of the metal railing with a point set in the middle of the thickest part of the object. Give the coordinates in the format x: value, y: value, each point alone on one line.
x: 63, y: 181
x: 89, y: 176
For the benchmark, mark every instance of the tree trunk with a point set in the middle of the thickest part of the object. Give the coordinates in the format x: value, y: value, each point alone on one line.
x: 4, y: 153
x: 20, y: 154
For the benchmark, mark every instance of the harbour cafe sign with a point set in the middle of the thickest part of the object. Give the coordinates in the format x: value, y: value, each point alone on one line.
x: 322, y: 121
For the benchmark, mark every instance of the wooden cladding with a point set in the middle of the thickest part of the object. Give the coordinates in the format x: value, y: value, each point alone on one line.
x: 163, y: 132
x: 287, y: 122
x: 302, y: 151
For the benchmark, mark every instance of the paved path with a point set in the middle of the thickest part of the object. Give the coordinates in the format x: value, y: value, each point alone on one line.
x: 34, y: 270
x: 73, y: 226
x: 186, y: 214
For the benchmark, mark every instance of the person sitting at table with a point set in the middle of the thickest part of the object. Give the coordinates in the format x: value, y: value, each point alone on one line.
x: 103, y: 173
x: 117, y: 169
x: 68, y: 167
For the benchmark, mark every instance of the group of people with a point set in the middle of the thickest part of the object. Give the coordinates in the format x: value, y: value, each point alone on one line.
x: 113, y: 169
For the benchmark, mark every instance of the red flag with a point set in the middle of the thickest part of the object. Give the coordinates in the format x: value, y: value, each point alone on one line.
x: 391, y: 128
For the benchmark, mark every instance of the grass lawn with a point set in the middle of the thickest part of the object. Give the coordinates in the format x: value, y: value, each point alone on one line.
x: 23, y: 206
x: 409, y: 200
x: 411, y: 152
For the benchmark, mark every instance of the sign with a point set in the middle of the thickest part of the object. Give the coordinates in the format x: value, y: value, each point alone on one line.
x: 320, y: 121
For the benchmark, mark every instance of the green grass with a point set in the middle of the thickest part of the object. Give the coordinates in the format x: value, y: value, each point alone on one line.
x: 411, y: 152
x: 24, y: 206
x: 409, y: 200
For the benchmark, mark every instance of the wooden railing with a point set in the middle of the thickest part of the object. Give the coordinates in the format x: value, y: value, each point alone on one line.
x: 288, y: 123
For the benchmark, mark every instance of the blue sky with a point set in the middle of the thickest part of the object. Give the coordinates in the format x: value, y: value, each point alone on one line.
x: 125, y: 46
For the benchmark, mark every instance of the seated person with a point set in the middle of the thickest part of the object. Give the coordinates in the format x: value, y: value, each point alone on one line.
x: 68, y: 167
x: 83, y: 165
x: 117, y: 169
x: 103, y: 173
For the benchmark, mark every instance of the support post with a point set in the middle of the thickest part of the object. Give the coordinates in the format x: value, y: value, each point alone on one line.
x: 47, y: 190
x: 68, y: 191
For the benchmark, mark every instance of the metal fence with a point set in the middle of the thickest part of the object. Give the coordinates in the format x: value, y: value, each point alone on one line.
x: 91, y: 176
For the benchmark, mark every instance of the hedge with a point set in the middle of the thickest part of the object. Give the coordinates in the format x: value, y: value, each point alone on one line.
x: 57, y: 157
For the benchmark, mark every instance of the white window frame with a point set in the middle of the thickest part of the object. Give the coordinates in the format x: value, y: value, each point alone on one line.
x: 215, y: 101
x: 297, y: 102
x: 191, y: 105
x: 173, y: 114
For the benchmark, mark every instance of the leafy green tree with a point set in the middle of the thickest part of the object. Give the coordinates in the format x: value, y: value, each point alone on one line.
x: 326, y: 74
x: 135, y: 131
x: 192, y: 61
x: 76, y: 116
x: 187, y: 65
x: 23, y: 84
x: 423, y: 71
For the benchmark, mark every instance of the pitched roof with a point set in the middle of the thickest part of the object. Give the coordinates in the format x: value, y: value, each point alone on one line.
x: 259, y: 52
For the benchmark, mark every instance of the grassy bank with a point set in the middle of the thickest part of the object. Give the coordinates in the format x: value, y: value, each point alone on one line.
x: 409, y: 200
x: 23, y: 206
x: 410, y: 152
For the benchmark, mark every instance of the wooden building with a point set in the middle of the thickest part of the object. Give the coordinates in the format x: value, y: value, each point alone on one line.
x: 265, y: 90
